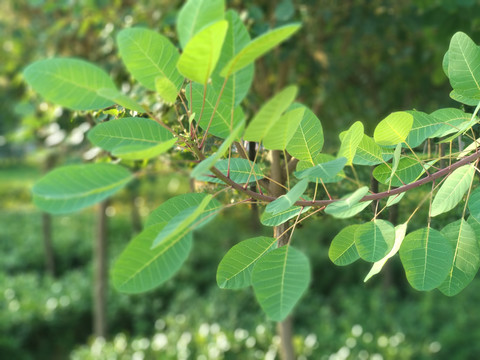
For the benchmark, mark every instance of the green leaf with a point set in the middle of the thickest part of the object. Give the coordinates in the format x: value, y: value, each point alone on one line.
x: 350, y: 141
x: 374, y: 239
x: 317, y: 160
x: 149, y: 56
x: 132, y: 138
x: 279, y: 279
x: 307, y: 140
x: 235, y: 269
x: 452, y: 190
x: 238, y: 84
x: 426, y: 256
x: 282, y: 131
x: 121, y: 99
x: 463, y: 69
x: 370, y: 153
x: 241, y: 171
x: 269, y: 219
x: 424, y: 126
x: 71, y: 83
x: 257, y: 47
x: 182, y: 223
x: 325, y: 170
x: 269, y: 114
x: 207, y: 164
x: 195, y: 15
x: 466, y: 258
x: 408, y: 171
x: 166, y: 89
x: 394, y: 129
x: 395, y: 160
x: 394, y: 199
x: 222, y: 122
x: 463, y: 99
x: 140, y: 268
x: 284, y: 202
x: 349, y: 205
x: 202, y: 52
x: 342, y: 250
x: 74, y: 187
x: 176, y: 205
x: 451, y: 120
x: 474, y: 204
x: 400, y: 231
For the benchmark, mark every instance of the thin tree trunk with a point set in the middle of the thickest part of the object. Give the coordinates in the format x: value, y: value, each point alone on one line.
x: 284, y: 328
x: 47, y: 226
x: 48, y: 244
x: 100, y: 273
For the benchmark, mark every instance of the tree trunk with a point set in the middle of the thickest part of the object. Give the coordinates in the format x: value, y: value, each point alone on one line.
x: 284, y: 328
x: 100, y: 288
x: 47, y: 226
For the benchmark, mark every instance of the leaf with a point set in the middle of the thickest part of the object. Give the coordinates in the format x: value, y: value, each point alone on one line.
x: 474, y: 204
x: 370, y: 153
x: 71, y: 83
x: 238, y: 84
x: 463, y: 99
x: 222, y: 122
x: 182, y: 223
x: 394, y: 129
x: 121, y: 99
x: 400, y: 231
x: 349, y: 205
x: 149, y: 56
x: 350, y: 141
x: 307, y: 140
x: 466, y: 258
x: 257, y: 47
x: 132, y: 138
x: 325, y: 170
x: 452, y: 190
x: 282, y: 131
x: 279, y: 279
x: 396, y: 160
x: 317, y: 160
x: 394, y: 199
x: 424, y: 126
x: 463, y: 69
x: 269, y: 219
x: 342, y: 250
x: 202, y: 52
x: 286, y: 201
x: 451, y: 119
x: 195, y: 15
x: 207, y: 164
x: 269, y: 114
x: 140, y: 268
x: 426, y: 256
x: 235, y: 269
x: 166, y: 89
x: 374, y: 239
x: 408, y: 171
x: 74, y: 187
x: 174, y: 206
x: 240, y: 171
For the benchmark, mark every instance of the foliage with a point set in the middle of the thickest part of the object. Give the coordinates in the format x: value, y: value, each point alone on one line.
x: 279, y: 277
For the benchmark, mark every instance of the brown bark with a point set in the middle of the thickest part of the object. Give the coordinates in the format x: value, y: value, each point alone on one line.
x: 100, y: 289
x: 284, y: 328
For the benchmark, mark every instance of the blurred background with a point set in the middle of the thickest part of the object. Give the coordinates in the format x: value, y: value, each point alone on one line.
x: 353, y: 60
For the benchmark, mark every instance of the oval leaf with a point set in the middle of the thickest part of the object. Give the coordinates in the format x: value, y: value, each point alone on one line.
x: 394, y: 129
x: 239, y: 170
x: 71, y: 83
x: 74, y: 187
x: 452, y: 190
x: 348, y: 205
x: 235, y: 269
x: 286, y: 201
x: 342, y: 250
x: 279, y: 279
x: 426, y: 256
x: 202, y: 52
x: 350, y: 141
x: 374, y: 239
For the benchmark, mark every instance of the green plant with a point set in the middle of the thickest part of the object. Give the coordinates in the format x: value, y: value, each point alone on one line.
x: 200, y: 92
